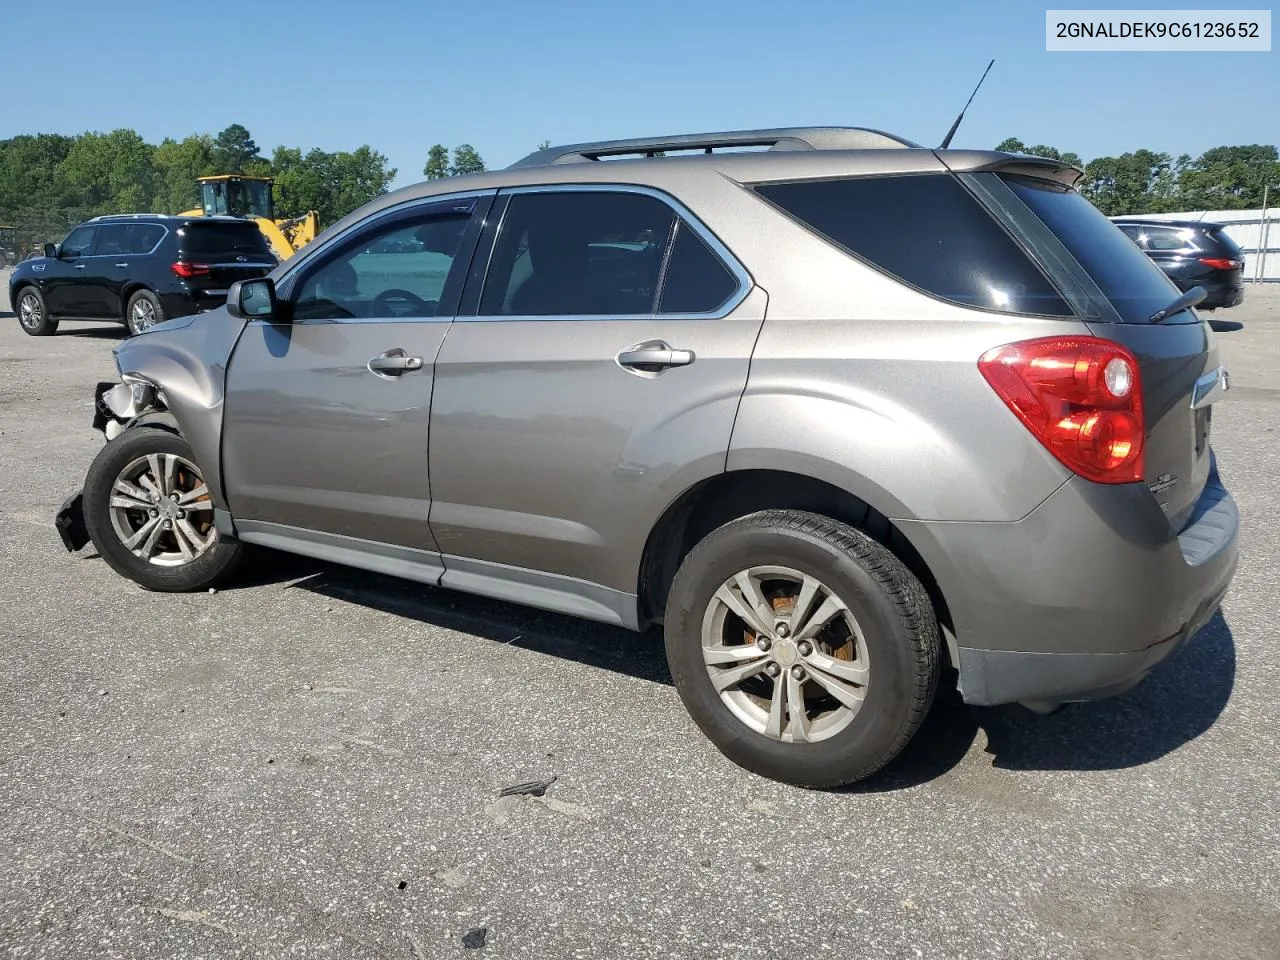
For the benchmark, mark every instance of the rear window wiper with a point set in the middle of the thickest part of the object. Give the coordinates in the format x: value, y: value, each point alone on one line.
x: 1188, y: 299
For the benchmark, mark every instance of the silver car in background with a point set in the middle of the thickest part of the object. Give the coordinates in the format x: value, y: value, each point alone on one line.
x: 838, y: 412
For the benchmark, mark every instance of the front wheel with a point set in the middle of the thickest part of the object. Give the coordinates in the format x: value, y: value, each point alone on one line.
x: 33, y: 315
x: 801, y: 647
x: 149, y: 514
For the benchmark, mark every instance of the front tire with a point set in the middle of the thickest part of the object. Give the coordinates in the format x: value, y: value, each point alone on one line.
x: 150, y: 516
x: 33, y: 316
x: 143, y: 311
x: 802, y: 648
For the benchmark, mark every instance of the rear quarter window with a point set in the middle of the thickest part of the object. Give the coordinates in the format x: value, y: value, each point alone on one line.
x: 217, y: 241
x: 928, y: 231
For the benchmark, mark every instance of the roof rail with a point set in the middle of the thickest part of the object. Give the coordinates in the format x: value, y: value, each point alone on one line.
x: 124, y: 216
x: 782, y: 138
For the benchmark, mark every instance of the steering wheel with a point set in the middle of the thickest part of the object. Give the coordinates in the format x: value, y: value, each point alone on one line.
x: 392, y: 296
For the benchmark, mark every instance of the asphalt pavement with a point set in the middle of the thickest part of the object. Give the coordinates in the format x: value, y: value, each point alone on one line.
x: 308, y: 763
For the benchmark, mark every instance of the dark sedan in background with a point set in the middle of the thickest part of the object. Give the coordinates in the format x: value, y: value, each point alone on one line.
x: 1192, y: 253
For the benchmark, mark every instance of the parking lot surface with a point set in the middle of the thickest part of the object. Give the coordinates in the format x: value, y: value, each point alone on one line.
x: 308, y: 763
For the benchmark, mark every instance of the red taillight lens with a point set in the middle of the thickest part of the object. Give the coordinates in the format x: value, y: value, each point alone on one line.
x: 1218, y: 263
x: 1080, y: 396
x: 189, y: 270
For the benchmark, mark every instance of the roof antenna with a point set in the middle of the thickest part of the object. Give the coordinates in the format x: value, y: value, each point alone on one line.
x: 946, y: 141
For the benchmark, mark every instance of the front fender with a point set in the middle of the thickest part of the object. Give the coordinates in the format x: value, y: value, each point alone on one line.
x: 187, y: 360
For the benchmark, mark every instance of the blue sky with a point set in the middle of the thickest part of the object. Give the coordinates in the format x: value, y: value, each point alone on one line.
x: 505, y: 74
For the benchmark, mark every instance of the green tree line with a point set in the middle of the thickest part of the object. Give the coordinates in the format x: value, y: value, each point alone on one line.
x: 1144, y: 181
x: 49, y: 182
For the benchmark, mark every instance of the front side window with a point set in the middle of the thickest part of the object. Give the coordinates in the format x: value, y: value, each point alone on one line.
x: 396, y: 270
x: 584, y: 253
x: 927, y: 230
x: 79, y: 242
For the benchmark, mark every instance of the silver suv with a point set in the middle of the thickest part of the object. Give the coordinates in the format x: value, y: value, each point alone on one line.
x: 837, y: 411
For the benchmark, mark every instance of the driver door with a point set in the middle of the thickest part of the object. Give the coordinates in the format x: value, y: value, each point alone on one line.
x: 325, y: 427
x: 67, y: 292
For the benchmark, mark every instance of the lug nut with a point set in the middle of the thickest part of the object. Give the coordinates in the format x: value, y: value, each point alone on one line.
x: 155, y: 513
x: 764, y: 643
x: 182, y: 514
x: 173, y: 497
x: 798, y: 672
x: 168, y: 524
x: 805, y: 648
x: 782, y: 630
x: 773, y: 669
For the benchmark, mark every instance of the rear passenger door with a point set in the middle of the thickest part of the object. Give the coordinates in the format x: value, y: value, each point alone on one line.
x: 593, y: 373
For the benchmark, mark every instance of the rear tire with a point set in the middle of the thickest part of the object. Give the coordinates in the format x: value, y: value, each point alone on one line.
x: 848, y: 631
x: 143, y: 312
x: 150, y: 517
x: 33, y: 316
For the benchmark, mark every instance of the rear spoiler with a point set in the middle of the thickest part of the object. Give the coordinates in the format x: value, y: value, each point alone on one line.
x: 981, y: 161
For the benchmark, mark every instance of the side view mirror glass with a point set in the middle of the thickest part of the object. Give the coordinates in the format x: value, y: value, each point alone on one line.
x: 252, y: 299
x: 51, y: 251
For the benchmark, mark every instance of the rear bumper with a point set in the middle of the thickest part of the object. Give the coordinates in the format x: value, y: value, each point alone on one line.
x: 1082, y: 598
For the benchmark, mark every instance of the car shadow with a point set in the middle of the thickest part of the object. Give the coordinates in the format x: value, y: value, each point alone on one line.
x: 1225, y: 326
x: 1180, y: 700
x: 112, y: 331
x: 1177, y: 703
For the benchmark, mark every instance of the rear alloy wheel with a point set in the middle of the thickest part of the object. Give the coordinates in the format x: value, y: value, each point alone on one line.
x: 32, y: 315
x: 801, y: 647
x: 143, y: 312
x: 150, y: 515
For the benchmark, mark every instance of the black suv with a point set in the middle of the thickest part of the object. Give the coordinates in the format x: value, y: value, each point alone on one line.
x: 137, y: 269
x: 1192, y: 253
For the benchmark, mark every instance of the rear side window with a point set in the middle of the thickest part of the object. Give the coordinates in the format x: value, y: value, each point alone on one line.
x: 696, y: 281
x: 112, y: 240
x: 143, y: 237
x: 925, y: 230
x: 222, y: 241
x: 1168, y: 238
x: 588, y: 253
x: 1136, y: 287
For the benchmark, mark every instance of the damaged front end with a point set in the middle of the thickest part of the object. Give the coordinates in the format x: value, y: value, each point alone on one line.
x: 116, y: 406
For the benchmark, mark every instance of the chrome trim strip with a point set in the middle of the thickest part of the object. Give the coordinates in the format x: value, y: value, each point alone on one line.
x: 745, y: 281
x: 1210, y: 388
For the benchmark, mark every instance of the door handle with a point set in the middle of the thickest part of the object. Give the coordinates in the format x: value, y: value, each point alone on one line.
x: 393, y: 363
x: 81, y: 266
x: 653, y: 356
x: 121, y: 264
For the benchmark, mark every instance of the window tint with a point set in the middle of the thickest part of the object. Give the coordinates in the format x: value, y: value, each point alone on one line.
x: 1228, y: 246
x: 79, y: 242
x: 1136, y: 287
x: 112, y: 240
x: 143, y: 237
x: 696, y: 280
x: 215, y: 242
x: 396, y: 270
x: 928, y: 231
x: 577, y: 254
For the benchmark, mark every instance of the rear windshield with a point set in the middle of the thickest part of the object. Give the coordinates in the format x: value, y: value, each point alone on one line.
x: 927, y: 230
x: 1136, y: 287
x: 225, y: 241
x: 1229, y: 246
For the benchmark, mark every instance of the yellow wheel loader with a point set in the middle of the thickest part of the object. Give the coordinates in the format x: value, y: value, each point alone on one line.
x: 237, y: 195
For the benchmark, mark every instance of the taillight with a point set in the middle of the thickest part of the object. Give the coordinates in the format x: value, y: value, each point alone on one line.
x: 1080, y: 396
x: 189, y: 270
x: 1219, y: 263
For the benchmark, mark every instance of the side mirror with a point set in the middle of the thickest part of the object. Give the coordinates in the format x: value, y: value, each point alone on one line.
x: 51, y: 251
x: 252, y: 299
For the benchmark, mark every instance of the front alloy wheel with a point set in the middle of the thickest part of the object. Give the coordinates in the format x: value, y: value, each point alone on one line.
x: 150, y: 514
x: 32, y: 314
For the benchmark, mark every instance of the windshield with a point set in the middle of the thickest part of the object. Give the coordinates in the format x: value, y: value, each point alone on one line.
x: 236, y: 198
x: 1136, y: 287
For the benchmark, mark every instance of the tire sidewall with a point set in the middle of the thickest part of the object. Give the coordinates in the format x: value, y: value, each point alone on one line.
x: 891, y: 694
x: 155, y: 305
x: 114, y: 457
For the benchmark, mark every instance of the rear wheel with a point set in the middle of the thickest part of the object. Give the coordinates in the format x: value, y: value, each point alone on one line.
x: 149, y: 513
x: 32, y: 315
x: 802, y: 648
x: 144, y: 311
